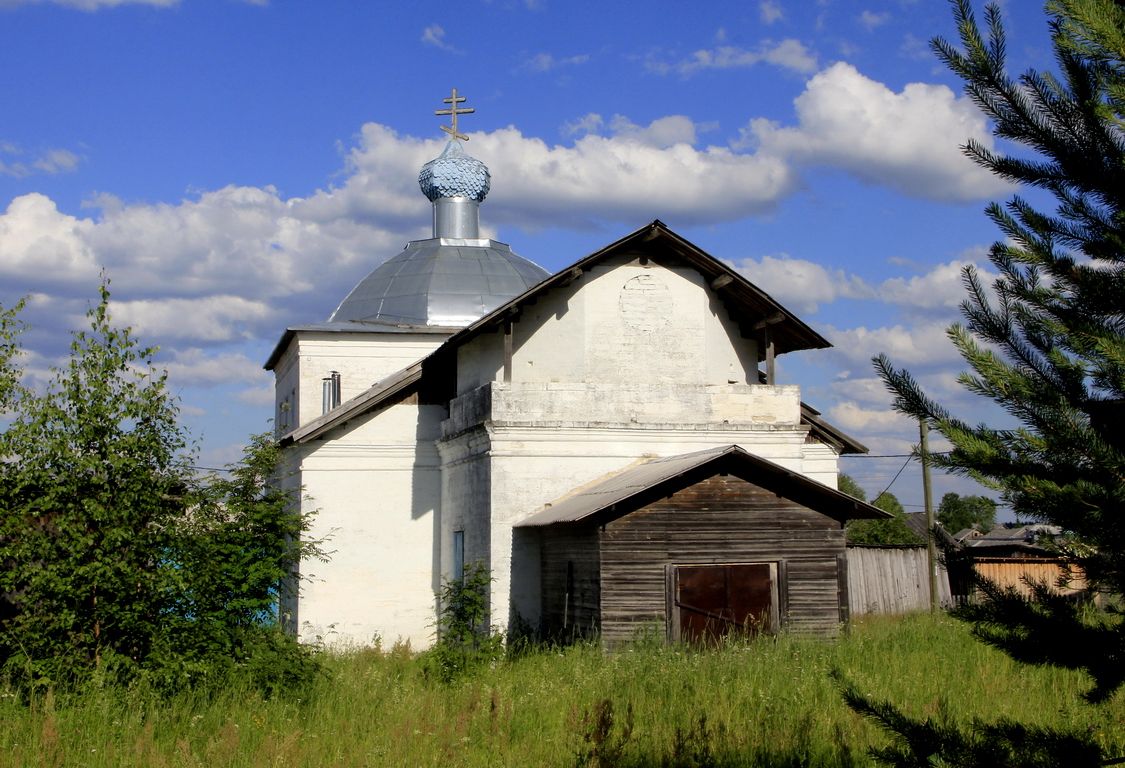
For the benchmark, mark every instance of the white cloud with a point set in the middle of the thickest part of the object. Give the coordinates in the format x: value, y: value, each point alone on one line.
x: 591, y: 122
x: 263, y: 395
x: 802, y: 285
x: 597, y: 178
x: 924, y: 343
x: 49, y: 161
x: 909, y: 141
x: 661, y: 133
x: 545, y: 62
x: 854, y: 418
x: 435, y: 35
x: 196, y: 367
x: 865, y: 390
x: 769, y: 11
x: 787, y: 54
x: 870, y: 20
x: 56, y: 161
x: 208, y: 318
x: 37, y: 240
x: 940, y: 288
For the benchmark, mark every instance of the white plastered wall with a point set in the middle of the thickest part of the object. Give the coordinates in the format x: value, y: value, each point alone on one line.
x: 619, y: 323
x: 377, y: 486
x: 361, y: 359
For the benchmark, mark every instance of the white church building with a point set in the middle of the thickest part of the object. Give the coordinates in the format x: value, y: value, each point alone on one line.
x: 463, y: 405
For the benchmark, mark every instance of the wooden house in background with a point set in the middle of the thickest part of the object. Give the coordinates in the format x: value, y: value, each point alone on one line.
x: 1015, y: 556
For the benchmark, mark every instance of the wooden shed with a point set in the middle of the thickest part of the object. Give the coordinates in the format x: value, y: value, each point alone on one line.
x: 697, y: 545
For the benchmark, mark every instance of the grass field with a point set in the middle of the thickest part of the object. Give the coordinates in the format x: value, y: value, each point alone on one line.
x: 767, y: 702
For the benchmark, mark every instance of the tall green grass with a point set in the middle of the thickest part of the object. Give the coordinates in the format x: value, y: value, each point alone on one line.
x: 766, y: 702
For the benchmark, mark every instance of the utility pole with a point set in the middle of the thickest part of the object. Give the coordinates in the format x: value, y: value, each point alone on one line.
x: 931, y: 545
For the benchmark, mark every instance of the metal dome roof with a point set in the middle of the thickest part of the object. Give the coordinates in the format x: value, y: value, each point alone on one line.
x: 440, y: 282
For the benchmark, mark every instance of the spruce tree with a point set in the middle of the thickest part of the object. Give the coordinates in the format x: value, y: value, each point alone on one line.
x: 1050, y: 348
x: 1047, y: 344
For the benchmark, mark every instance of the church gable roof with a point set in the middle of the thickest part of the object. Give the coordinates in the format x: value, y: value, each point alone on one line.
x: 632, y: 488
x: 751, y: 306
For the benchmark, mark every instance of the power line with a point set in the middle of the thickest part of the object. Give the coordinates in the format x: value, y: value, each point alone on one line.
x: 900, y: 469
x: 889, y: 455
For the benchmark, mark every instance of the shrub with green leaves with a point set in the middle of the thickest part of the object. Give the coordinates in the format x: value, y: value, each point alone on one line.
x: 465, y: 640
x: 118, y: 563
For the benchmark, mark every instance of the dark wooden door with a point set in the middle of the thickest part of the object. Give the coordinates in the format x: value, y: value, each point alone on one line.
x: 711, y: 601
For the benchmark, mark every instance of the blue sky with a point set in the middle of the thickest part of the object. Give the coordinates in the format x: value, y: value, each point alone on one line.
x: 236, y: 166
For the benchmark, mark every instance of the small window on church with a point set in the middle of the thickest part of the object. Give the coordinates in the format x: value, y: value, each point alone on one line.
x: 458, y: 555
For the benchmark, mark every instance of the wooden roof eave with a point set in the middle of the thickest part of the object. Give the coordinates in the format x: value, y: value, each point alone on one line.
x: 829, y: 433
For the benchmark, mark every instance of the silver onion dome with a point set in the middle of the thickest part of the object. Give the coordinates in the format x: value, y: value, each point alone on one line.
x: 454, y: 174
x: 455, y: 277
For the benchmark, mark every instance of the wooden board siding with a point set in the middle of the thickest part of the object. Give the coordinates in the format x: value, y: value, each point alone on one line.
x: 814, y: 596
x: 569, y: 571
x: 719, y: 520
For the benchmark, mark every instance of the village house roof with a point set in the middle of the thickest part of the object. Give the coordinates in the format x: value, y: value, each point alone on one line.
x: 637, y: 485
x: 1013, y: 540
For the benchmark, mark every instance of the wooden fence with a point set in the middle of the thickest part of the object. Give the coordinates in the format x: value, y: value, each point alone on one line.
x: 892, y: 580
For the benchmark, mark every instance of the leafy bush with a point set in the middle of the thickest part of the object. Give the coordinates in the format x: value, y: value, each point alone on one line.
x: 465, y: 640
x: 118, y: 563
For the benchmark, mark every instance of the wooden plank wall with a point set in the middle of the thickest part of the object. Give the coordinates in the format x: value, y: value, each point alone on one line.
x: 719, y: 520
x: 886, y: 580
x: 567, y: 615
x: 1016, y: 573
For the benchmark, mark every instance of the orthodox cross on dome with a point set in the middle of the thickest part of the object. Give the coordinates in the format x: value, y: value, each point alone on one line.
x: 454, y: 111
